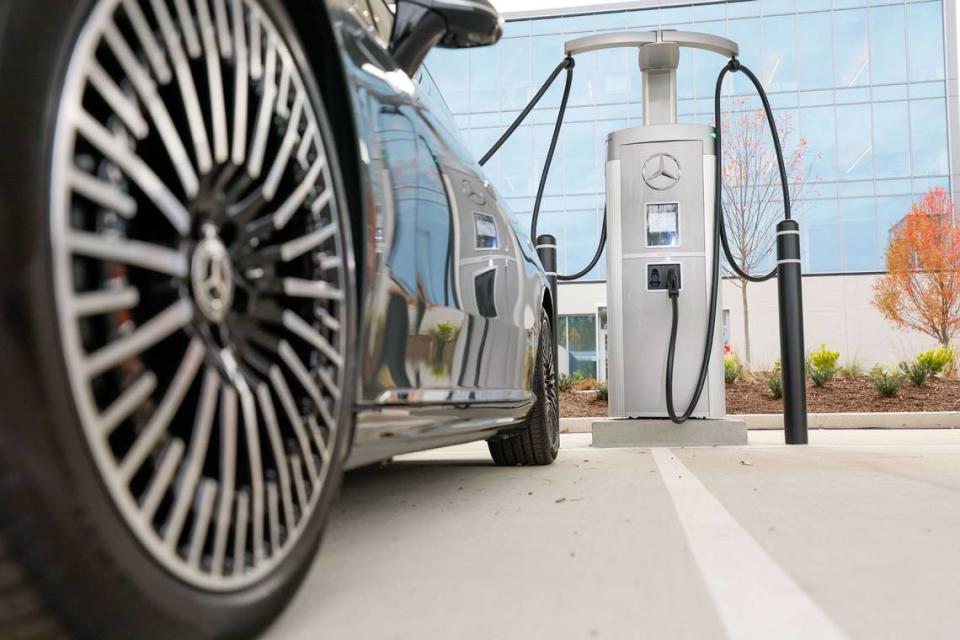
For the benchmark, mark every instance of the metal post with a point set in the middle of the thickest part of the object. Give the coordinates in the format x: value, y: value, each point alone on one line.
x: 547, y: 250
x: 792, y: 367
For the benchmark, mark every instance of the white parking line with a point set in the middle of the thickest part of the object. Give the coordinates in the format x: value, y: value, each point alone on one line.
x: 754, y: 597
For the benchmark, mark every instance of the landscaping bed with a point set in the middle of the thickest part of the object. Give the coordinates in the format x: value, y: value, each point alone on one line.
x: 840, y: 395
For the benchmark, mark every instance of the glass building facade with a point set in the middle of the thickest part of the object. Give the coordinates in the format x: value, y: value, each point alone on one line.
x: 861, y: 81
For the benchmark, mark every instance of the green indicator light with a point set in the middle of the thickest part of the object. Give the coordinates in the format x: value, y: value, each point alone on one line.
x: 713, y: 134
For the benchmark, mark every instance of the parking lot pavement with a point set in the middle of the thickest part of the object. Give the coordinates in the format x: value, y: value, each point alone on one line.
x: 855, y: 536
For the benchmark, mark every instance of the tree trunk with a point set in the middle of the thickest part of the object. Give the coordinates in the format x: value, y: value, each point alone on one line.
x: 746, y: 323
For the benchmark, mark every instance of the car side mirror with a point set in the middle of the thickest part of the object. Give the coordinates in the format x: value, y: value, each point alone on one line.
x: 420, y: 25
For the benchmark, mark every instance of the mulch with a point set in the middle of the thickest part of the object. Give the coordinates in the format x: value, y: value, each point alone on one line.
x: 840, y: 395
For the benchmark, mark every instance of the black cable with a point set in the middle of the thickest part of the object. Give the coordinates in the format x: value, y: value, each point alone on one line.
x: 568, y: 64
x: 719, y: 237
x: 735, y: 65
x: 550, y: 150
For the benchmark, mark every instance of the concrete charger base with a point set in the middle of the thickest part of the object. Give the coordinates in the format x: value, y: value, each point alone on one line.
x: 661, y: 432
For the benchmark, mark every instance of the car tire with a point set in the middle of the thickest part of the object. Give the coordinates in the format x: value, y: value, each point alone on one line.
x: 538, y: 442
x: 176, y: 390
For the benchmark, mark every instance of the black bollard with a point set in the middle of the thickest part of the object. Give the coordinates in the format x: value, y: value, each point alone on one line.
x: 792, y: 364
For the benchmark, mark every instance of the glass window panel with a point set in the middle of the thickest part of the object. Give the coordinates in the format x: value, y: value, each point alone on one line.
x: 860, y: 247
x: 892, y: 140
x: 814, y: 5
x: 848, y: 4
x: 850, y: 96
x: 615, y: 70
x: 851, y: 51
x: 646, y: 19
x: 611, y: 21
x: 773, y: 7
x: 779, y: 69
x: 815, y: 98
x: 818, y: 128
x: 923, y: 185
x: 676, y: 17
x: 823, y: 236
x: 747, y: 34
x: 580, y: 167
x: 515, y: 162
x: 888, y: 57
x: 447, y: 66
x: 516, y: 28
x: 890, y: 211
x: 815, y: 55
x: 893, y: 187
x: 894, y: 92
x: 854, y: 144
x: 582, y: 91
x: 562, y: 331
x: 578, y: 24
x: 928, y: 130
x: 484, y: 78
x: 858, y: 189
x: 546, y: 25
x: 927, y: 90
x: 515, y: 78
x: 582, y: 344
x: 925, y: 41
x: 706, y: 12
x: 743, y: 9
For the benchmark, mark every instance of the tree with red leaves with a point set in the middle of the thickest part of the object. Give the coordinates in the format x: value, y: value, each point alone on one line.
x: 921, y: 290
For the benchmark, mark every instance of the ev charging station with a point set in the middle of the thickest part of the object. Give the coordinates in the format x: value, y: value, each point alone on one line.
x: 663, y: 231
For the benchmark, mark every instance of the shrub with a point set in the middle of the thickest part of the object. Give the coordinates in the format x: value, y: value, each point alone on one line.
x: 775, y: 384
x: 585, y: 384
x: 823, y: 358
x: 565, y: 382
x: 850, y: 370
x: 886, y: 382
x: 731, y: 369
x: 936, y: 360
x: 602, y: 391
x: 917, y: 372
x: 822, y: 365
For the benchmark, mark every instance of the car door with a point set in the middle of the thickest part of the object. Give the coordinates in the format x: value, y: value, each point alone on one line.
x: 488, y: 272
x: 440, y: 317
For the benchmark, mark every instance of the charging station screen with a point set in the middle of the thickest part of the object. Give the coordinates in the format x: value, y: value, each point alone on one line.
x: 663, y: 224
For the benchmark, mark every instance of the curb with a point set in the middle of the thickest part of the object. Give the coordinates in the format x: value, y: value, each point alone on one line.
x: 880, y: 420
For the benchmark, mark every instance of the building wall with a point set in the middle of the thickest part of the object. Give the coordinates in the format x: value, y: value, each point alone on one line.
x: 837, y: 312
x: 868, y: 93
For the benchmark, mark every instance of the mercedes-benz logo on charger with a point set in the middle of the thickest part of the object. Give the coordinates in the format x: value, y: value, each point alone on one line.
x: 661, y: 171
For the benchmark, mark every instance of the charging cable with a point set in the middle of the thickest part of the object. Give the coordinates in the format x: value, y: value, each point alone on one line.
x: 720, y: 238
x: 568, y: 65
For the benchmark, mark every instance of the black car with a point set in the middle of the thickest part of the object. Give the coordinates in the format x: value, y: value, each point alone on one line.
x: 243, y: 249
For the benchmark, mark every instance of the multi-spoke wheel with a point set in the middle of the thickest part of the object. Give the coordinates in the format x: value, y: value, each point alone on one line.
x: 538, y: 440
x: 201, y: 309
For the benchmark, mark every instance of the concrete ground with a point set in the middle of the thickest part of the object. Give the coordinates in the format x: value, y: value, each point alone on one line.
x: 854, y: 536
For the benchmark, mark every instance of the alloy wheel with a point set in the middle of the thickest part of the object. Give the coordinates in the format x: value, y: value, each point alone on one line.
x: 200, y: 277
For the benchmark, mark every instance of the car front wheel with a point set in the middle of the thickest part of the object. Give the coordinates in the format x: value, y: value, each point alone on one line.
x: 538, y: 441
x: 178, y: 333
